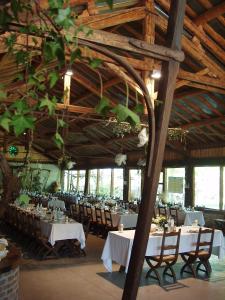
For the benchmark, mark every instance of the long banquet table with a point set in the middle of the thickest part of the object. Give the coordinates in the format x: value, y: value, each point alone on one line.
x: 118, y: 245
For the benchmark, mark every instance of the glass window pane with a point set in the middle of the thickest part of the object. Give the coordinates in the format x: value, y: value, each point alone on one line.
x: 104, y: 181
x: 93, y: 182
x: 118, y: 183
x: 81, y: 184
x: 175, y: 185
x: 207, y: 186
x: 135, y: 185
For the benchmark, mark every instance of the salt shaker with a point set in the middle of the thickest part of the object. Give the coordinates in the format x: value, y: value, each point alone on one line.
x: 120, y: 227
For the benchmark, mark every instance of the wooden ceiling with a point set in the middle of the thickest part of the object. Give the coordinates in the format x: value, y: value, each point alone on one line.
x: 199, y: 100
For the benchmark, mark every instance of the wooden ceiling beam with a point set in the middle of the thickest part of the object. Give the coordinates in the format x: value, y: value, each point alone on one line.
x: 197, y: 77
x: 113, y: 18
x: 213, y: 47
x: 206, y: 87
x: 210, y: 14
x: 205, y: 122
x: 207, y: 28
x: 207, y: 4
x: 190, y: 49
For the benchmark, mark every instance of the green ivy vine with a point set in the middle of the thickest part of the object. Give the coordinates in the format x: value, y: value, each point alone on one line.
x: 50, y: 35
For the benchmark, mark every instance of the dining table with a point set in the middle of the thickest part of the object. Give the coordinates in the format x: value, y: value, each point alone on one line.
x: 118, y: 245
x: 192, y: 216
x: 62, y: 230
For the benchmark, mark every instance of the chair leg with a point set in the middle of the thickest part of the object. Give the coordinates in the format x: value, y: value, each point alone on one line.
x: 207, y: 266
x: 191, y: 268
x: 157, y: 276
x: 169, y: 267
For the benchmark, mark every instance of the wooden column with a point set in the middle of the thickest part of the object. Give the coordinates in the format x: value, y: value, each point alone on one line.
x: 189, y: 185
x: 149, y: 37
x: 86, y: 184
x: 166, y: 91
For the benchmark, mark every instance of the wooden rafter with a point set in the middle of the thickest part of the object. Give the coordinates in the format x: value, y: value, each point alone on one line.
x: 210, y: 14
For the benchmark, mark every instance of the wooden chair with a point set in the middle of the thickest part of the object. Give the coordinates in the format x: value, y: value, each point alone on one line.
x: 81, y: 212
x: 173, y: 211
x: 100, y: 224
x: 162, y: 211
x: 108, y: 221
x: 168, y: 259
x: 201, y: 254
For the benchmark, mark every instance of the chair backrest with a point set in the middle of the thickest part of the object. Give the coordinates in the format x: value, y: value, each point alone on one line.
x: 108, y: 218
x: 81, y: 210
x: 170, y: 241
x: 162, y: 211
x: 174, y: 214
x: 89, y: 212
x: 98, y: 213
x: 205, y: 241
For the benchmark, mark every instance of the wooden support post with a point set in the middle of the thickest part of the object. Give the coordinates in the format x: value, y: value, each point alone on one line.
x: 86, y: 183
x: 189, y: 177
x: 166, y: 91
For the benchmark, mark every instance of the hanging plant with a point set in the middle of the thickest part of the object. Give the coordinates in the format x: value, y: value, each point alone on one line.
x: 50, y: 34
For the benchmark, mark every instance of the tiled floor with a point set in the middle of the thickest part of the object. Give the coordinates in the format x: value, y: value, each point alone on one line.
x: 85, y: 278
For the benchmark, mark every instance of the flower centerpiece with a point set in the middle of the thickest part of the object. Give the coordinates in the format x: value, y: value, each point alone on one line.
x: 160, y: 221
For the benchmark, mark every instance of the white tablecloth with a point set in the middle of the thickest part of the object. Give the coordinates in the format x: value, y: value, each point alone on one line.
x: 191, y: 216
x: 118, y: 246
x: 63, y: 231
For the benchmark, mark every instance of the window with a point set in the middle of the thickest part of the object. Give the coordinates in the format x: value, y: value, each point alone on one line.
x: 70, y: 181
x: 160, y: 185
x: 135, y: 184
x: 81, y: 180
x: 104, y: 182
x: 207, y: 186
x: 175, y: 185
x: 118, y: 183
x: 93, y: 182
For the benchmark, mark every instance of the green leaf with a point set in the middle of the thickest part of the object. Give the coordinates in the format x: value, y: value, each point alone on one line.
x: 50, y: 104
x: 16, y: 8
x: 124, y: 114
x: 103, y: 106
x: 58, y: 140
x: 61, y: 123
x: 22, y: 122
x: 63, y: 14
x: 5, y: 122
x: 53, y: 4
x: 21, y: 106
x: 76, y: 54
x: 23, y: 199
x: 53, y: 77
x: 139, y: 109
x: 95, y: 63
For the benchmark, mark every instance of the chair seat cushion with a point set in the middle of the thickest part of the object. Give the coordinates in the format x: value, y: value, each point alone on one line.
x: 164, y: 258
